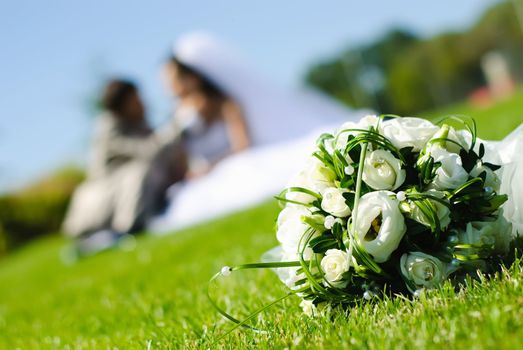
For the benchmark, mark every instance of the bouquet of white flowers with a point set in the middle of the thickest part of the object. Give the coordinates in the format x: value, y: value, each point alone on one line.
x: 392, y: 205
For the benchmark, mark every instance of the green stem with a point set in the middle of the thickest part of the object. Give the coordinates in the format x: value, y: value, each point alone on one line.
x: 363, y: 153
x: 266, y: 265
x: 243, y: 323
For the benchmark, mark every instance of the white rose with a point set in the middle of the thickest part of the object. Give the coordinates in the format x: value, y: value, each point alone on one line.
x: 333, y: 202
x: 334, y: 264
x: 450, y: 174
x: 301, y: 180
x: 292, y: 277
x: 308, y: 308
x: 379, y: 225
x: 497, y: 233
x: 422, y: 270
x: 491, y: 179
x: 382, y: 171
x: 315, y: 177
x: 312, y: 310
x: 320, y: 176
x: 408, y: 132
x: 462, y: 137
x: 368, y: 121
x: 364, y: 123
x: 291, y: 227
x: 342, y: 136
x: 459, y: 139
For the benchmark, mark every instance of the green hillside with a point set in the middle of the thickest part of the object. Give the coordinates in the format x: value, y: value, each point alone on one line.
x: 153, y: 297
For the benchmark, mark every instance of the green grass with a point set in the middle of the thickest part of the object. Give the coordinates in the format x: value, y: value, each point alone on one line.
x: 494, y: 122
x: 155, y: 296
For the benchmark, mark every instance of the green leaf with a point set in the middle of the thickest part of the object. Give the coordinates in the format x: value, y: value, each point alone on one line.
x: 491, y: 166
x: 469, y: 159
x: 349, y: 199
x: 481, y: 150
x: 323, y: 243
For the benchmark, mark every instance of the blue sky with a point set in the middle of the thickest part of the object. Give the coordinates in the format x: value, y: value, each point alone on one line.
x: 54, y: 54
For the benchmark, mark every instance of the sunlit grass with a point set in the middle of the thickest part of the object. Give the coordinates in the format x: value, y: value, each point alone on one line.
x: 494, y: 121
x: 155, y: 296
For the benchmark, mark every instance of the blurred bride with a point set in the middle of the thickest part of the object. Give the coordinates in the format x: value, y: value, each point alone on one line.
x: 213, y: 123
x: 245, y: 135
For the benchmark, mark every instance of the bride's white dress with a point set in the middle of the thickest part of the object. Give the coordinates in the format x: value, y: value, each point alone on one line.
x: 283, y: 126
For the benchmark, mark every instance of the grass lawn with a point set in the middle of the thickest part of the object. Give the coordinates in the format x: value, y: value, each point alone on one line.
x: 154, y: 296
x: 494, y: 122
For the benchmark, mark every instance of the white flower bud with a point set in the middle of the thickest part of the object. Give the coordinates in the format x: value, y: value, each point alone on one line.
x: 334, y: 203
x: 408, y: 132
x: 491, y: 179
x: 291, y: 227
x: 450, y: 174
x: 308, y: 307
x: 334, y: 264
x: 423, y: 270
x: 329, y: 221
x: 497, y: 233
x: 382, y: 171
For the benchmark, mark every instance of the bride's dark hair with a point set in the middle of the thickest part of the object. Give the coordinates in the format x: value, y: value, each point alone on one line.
x: 208, y: 87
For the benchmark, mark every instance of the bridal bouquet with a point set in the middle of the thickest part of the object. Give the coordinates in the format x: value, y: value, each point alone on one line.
x: 392, y: 205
